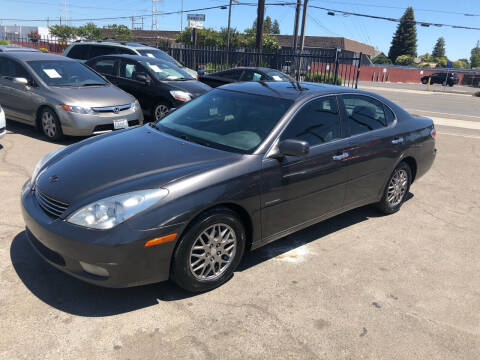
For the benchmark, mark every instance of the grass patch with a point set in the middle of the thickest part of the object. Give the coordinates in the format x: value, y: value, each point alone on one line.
x: 324, y: 78
x: 477, y: 94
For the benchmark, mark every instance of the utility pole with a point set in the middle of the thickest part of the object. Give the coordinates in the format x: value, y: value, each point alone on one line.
x: 155, y: 14
x: 260, y: 16
x: 228, y: 26
x: 295, y: 25
x: 181, y: 18
x: 304, y: 22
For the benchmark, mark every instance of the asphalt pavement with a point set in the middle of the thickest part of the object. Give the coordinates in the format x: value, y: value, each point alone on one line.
x: 358, y: 286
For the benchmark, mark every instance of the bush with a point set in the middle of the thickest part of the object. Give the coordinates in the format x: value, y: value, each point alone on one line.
x: 4, y: 42
x: 43, y: 50
x: 405, y: 60
x: 324, y: 78
x: 477, y: 94
x: 381, y: 59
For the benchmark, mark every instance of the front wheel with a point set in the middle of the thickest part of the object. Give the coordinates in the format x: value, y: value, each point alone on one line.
x: 396, y: 190
x: 209, y: 251
x: 50, y: 124
x: 424, y: 81
x: 160, y: 110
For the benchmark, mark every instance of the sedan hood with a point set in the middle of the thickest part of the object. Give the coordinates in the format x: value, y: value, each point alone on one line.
x: 140, y: 158
x: 93, y: 96
x: 194, y: 87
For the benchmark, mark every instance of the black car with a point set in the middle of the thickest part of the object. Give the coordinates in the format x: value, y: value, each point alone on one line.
x: 242, y: 74
x: 449, y: 78
x: 158, y: 85
x: 232, y: 170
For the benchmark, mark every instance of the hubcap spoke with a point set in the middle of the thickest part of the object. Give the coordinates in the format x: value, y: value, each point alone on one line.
x: 397, y: 187
x: 212, y: 252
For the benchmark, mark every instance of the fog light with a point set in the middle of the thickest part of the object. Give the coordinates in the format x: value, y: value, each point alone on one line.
x: 94, y: 269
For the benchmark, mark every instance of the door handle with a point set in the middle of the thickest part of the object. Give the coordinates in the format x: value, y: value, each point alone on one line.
x: 397, y: 140
x: 340, y: 156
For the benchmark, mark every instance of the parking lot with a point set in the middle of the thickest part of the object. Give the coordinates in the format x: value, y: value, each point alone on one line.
x: 358, y: 286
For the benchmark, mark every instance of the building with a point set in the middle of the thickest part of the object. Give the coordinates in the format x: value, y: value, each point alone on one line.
x: 15, y: 32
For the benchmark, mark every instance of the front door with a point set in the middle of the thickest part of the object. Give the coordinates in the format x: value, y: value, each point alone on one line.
x: 300, y: 190
x: 127, y: 82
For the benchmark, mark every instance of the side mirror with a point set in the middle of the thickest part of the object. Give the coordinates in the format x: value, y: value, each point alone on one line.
x: 293, y: 147
x: 201, y: 72
x: 142, y: 78
x: 20, y: 81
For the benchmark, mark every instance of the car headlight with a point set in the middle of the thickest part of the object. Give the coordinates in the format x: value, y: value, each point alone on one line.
x: 42, y: 163
x: 135, y: 105
x: 107, y: 213
x: 181, y: 95
x: 77, y: 109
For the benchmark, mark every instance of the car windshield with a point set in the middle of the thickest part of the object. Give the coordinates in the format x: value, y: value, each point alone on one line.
x: 226, y: 120
x: 278, y: 76
x: 66, y: 73
x: 159, y: 54
x: 166, y: 71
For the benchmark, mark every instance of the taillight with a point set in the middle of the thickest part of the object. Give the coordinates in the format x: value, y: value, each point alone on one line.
x: 433, y: 133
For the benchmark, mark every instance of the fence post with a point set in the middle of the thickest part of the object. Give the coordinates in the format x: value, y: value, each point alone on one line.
x: 337, y: 51
x: 358, y: 70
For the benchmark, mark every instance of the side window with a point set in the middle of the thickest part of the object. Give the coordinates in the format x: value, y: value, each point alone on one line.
x: 129, y: 69
x: 231, y: 74
x: 317, y: 122
x: 79, y: 52
x: 389, y: 115
x: 12, y: 69
x: 101, y: 50
x: 105, y: 66
x: 123, y: 50
x: 364, y: 113
x: 250, y: 75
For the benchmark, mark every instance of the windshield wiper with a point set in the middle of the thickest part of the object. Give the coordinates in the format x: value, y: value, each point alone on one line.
x: 93, y: 84
x: 155, y: 126
x: 196, y: 141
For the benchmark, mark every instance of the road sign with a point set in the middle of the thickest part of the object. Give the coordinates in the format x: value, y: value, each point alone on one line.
x: 195, y: 21
x: 449, y: 64
x: 196, y: 17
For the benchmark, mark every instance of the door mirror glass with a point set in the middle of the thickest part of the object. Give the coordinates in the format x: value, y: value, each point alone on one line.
x: 293, y: 147
x: 20, y: 81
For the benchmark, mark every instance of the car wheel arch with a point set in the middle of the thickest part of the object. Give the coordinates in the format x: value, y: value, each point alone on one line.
x: 412, y: 163
x: 39, y: 113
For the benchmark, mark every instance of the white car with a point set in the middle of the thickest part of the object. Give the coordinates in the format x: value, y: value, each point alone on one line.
x: 3, y: 126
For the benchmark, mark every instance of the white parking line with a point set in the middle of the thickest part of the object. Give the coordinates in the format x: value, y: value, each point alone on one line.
x: 459, y: 135
x: 409, y: 91
x: 456, y: 123
x: 442, y: 113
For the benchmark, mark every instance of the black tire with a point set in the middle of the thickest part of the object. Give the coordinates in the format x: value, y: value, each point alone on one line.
x: 183, y: 262
x: 160, y: 109
x: 450, y: 84
x: 424, y: 81
x: 386, y: 205
x: 49, y: 124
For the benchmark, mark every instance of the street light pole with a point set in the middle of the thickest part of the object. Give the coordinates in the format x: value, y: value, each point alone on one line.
x: 260, y: 16
x: 228, y: 27
x: 295, y: 26
x: 304, y: 23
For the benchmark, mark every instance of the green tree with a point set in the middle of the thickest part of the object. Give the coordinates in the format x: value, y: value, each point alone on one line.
x: 461, y: 64
x: 63, y: 32
x: 120, y: 32
x: 205, y: 37
x: 235, y: 38
x: 439, y: 49
x: 276, y: 28
x: 426, y: 57
x: 381, y: 59
x: 405, y: 60
x: 475, y: 58
x: 249, y: 40
x: 89, y: 31
x: 267, y: 25
x: 404, y: 41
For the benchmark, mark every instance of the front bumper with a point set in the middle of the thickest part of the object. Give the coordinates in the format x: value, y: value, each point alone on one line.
x: 120, y: 250
x: 75, y: 124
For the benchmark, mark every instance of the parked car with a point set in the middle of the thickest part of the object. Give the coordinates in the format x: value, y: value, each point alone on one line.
x: 62, y: 96
x: 16, y: 48
x: 449, y: 78
x: 3, y: 124
x: 242, y: 74
x: 159, y: 85
x: 86, y: 50
x: 231, y: 170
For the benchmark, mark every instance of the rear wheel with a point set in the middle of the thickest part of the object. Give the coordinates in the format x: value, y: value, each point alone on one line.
x: 396, y: 190
x: 50, y: 124
x: 424, y: 81
x: 210, y: 251
x: 160, y: 109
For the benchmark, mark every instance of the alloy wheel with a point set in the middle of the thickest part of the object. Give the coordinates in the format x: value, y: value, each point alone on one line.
x: 160, y: 111
x: 397, y: 187
x: 48, y: 124
x: 213, y: 252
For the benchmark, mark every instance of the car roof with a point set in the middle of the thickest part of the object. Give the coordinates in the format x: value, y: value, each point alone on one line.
x: 291, y: 90
x: 131, y: 57
x: 33, y: 56
x: 126, y: 44
x: 11, y: 48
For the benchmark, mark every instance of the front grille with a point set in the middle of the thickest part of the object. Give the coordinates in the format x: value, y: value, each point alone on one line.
x: 2, y: 130
x: 52, y: 207
x: 113, y: 109
x: 108, y: 127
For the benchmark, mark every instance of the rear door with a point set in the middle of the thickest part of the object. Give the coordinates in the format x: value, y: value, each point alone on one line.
x: 80, y: 52
x: 373, y: 147
x: 145, y: 93
x: 108, y: 67
x: 300, y: 190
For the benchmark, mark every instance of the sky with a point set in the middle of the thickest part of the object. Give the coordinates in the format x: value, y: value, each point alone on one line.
x: 377, y: 33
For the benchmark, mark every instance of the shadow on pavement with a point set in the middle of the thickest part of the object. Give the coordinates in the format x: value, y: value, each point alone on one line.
x: 14, y: 127
x: 76, y: 297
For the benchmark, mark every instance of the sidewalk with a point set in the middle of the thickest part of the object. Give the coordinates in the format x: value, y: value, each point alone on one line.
x: 457, y: 89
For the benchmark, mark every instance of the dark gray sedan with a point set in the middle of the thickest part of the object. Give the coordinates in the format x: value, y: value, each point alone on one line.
x: 232, y: 170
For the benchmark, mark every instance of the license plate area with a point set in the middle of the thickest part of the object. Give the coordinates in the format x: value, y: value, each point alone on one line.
x: 120, y: 124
